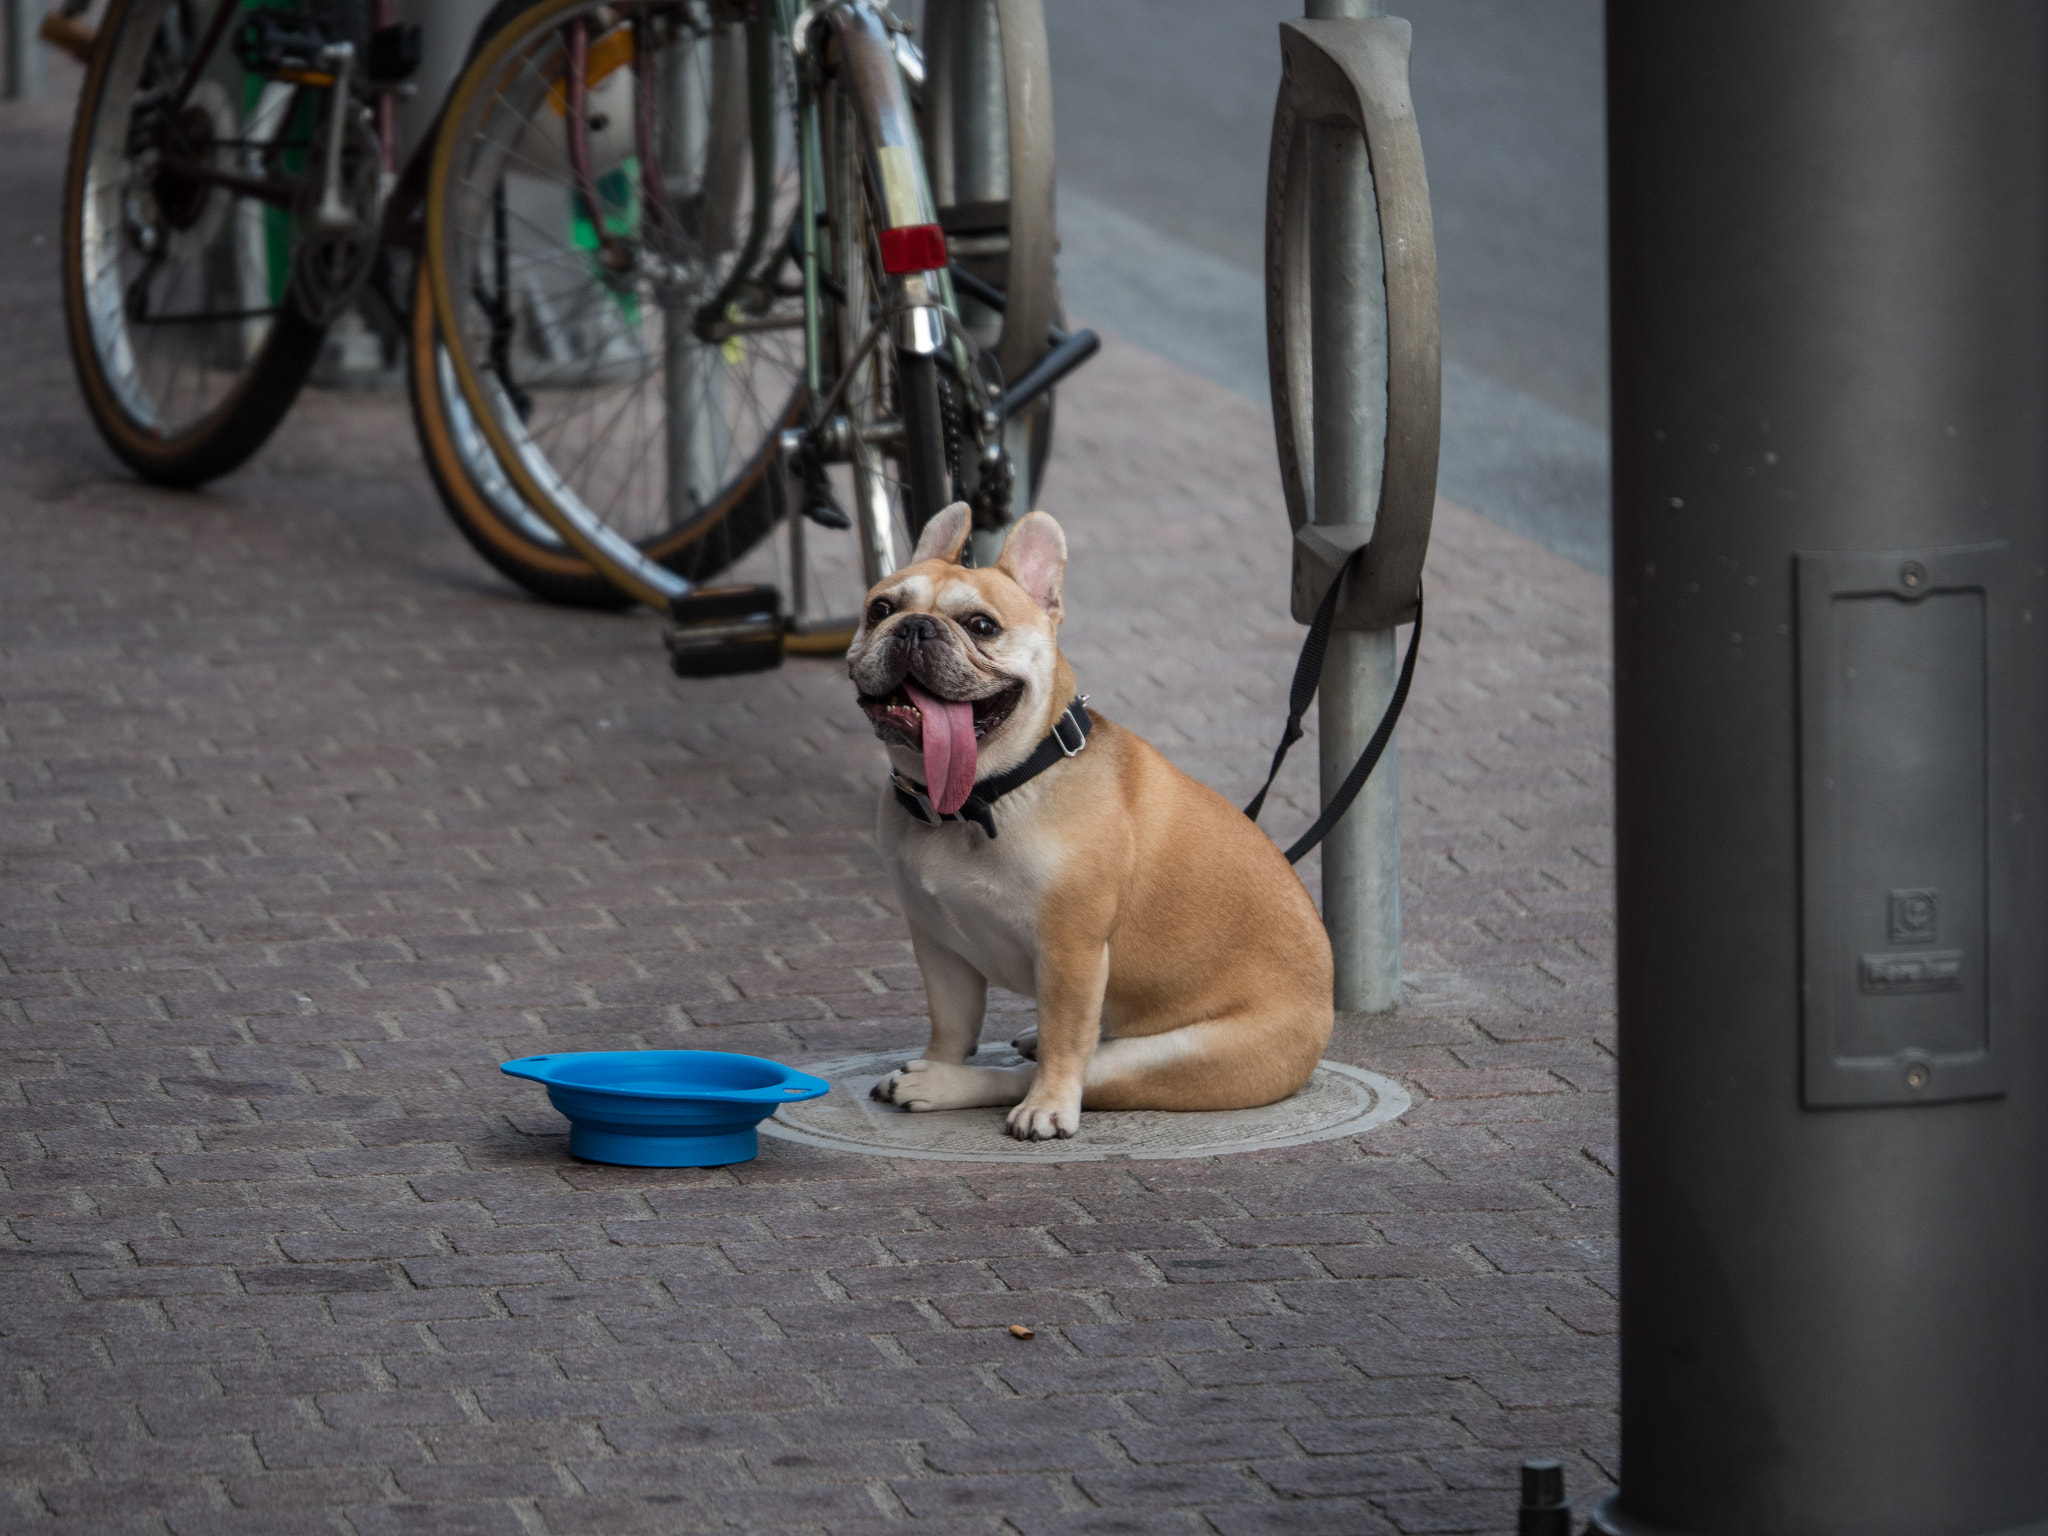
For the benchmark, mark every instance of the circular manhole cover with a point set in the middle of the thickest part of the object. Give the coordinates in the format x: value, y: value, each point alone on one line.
x: 1338, y: 1101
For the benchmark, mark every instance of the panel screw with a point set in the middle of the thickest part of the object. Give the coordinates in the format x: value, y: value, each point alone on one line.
x: 1917, y: 1076
x: 1912, y: 575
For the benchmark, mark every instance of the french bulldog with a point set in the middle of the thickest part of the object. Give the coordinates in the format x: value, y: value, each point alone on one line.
x: 1177, y: 961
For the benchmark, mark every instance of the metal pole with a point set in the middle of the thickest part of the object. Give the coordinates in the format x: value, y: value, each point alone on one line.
x: 1348, y: 326
x: 24, y: 50
x: 1829, y: 221
x: 693, y: 405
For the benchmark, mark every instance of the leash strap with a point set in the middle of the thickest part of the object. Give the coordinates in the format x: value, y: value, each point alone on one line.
x: 1308, y: 673
x: 980, y: 805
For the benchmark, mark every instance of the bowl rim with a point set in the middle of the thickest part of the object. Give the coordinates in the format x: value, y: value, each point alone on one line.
x: 793, y: 1088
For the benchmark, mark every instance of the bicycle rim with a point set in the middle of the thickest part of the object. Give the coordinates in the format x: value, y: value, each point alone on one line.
x: 178, y: 288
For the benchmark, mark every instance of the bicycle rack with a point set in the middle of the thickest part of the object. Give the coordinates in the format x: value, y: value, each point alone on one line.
x: 1354, y: 74
x: 1356, y: 369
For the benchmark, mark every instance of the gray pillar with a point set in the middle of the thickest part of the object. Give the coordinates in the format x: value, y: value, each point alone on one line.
x: 1348, y: 326
x: 1829, y: 248
x: 24, y: 50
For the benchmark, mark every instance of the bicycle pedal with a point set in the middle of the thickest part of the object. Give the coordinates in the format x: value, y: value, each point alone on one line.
x: 714, y: 631
x: 276, y: 42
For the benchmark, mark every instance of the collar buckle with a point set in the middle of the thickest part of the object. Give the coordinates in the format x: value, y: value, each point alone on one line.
x: 925, y: 807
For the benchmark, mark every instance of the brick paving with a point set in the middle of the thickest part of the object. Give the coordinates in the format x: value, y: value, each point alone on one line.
x: 307, y: 821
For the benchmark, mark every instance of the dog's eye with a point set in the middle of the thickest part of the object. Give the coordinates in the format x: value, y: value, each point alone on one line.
x: 982, y: 627
x: 879, y: 610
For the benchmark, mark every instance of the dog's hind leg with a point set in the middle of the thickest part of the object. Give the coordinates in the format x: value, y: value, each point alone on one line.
x: 1228, y: 1063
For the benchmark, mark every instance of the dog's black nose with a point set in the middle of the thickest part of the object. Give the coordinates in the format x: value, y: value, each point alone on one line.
x: 915, y: 629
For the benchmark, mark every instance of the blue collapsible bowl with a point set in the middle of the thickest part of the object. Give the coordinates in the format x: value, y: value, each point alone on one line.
x: 665, y: 1109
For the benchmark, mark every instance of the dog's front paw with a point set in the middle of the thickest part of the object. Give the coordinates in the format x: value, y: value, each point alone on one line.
x: 887, y: 1089
x: 1026, y: 1045
x: 923, y: 1085
x: 1039, y: 1119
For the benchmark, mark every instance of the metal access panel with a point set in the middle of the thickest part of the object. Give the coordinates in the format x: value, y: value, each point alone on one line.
x: 1902, y: 663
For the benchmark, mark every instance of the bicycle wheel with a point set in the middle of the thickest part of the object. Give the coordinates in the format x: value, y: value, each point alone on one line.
x: 617, y: 309
x: 182, y: 240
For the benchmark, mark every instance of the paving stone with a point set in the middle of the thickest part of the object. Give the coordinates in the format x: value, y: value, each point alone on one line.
x: 1302, y: 1517
x: 308, y: 820
x: 1164, y: 1486
x: 440, y: 1518
x: 1114, y: 1522
x: 250, y: 1522
x: 1007, y: 1496
x: 1018, y: 1452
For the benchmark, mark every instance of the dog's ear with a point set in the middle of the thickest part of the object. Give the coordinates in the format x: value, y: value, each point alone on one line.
x: 1035, y: 556
x: 945, y: 535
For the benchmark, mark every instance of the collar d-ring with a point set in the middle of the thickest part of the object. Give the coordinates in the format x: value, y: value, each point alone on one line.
x: 1069, y: 717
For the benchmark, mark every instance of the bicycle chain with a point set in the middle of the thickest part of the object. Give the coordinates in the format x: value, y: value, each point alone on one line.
x: 996, y: 482
x: 949, y: 424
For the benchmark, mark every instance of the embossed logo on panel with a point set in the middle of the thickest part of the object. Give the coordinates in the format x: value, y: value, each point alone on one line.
x: 1915, y: 916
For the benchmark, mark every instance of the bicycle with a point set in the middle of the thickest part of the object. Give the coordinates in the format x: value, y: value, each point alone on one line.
x: 605, y: 214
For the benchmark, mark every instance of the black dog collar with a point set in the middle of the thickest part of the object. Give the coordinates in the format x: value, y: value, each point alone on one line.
x: 980, y: 805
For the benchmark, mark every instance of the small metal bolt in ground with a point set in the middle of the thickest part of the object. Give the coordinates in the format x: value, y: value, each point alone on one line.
x: 1545, y: 1510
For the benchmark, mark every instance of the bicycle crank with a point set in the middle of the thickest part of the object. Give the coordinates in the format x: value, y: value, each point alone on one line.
x: 338, y: 217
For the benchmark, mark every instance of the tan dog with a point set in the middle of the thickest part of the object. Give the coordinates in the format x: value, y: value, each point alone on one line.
x: 1177, y: 961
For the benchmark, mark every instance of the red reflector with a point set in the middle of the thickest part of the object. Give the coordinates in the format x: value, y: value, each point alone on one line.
x: 914, y: 248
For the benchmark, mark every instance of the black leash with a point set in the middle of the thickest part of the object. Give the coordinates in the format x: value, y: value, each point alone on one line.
x: 1308, y: 672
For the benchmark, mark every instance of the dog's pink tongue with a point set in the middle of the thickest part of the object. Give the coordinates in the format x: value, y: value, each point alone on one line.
x: 948, y: 748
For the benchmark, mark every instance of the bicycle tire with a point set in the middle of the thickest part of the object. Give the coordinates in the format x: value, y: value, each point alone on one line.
x: 110, y: 355
x: 489, y: 512
x: 471, y: 485
x: 488, y: 152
